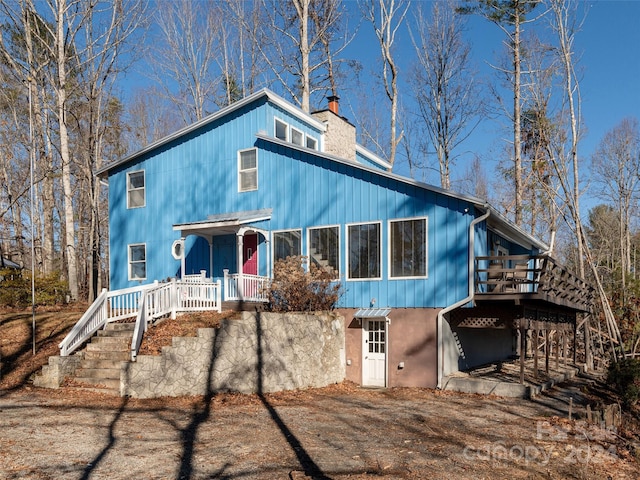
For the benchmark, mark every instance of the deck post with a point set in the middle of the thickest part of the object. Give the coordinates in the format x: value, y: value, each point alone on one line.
x: 547, y: 349
x: 523, y: 351
x: 557, y: 345
x: 536, y: 333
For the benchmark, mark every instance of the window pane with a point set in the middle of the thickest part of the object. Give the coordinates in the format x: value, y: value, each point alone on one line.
x: 364, y: 251
x: 249, y: 180
x: 408, y: 248
x: 324, y: 249
x: 248, y: 159
x: 136, y: 180
x: 136, y: 198
x: 137, y: 253
x: 286, y: 244
x: 297, y: 137
x: 138, y: 271
x: 312, y: 143
x: 281, y: 130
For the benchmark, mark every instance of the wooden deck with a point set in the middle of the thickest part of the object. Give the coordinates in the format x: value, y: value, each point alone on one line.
x: 531, y: 279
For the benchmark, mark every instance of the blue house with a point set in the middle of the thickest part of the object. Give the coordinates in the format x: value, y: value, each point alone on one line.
x: 434, y: 281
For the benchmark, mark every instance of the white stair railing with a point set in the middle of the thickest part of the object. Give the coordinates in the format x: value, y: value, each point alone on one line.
x: 145, y: 303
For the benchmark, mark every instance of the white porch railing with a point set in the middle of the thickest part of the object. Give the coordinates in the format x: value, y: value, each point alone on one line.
x: 242, y: 286
x: 144, y: 303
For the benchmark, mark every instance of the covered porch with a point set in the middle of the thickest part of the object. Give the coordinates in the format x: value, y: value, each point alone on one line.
x: 238, y: 254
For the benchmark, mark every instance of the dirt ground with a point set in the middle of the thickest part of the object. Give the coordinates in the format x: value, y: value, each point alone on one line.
x: 338, y: 432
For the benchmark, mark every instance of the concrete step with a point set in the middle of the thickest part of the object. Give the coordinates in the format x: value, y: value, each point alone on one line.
x: 101, y: 363
x: 119, y: 333
x: 108, y: 346
x: 107, y: 383
x: 98, y: 354
x: 115, y: 327
x: 115, y: 341
x: 98, y: 373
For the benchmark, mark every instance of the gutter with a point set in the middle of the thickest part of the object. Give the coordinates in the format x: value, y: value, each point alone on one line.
x: 467, y: 299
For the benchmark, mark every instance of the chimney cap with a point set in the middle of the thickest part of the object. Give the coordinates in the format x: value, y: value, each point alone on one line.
x: 333, y: 103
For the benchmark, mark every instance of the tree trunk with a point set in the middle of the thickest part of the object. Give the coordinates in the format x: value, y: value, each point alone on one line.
x: 69, y: 239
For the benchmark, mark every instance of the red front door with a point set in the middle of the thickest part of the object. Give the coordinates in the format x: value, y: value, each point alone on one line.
x: 250, y: 254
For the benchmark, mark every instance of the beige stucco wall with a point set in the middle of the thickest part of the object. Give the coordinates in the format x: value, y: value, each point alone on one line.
x: 412, y: 339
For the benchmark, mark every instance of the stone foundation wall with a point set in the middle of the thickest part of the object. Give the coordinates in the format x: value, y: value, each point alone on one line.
x: 54, y: 373
x: 261, y: 352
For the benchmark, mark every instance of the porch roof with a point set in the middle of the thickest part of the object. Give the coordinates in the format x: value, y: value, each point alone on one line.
x: 372, y: 313
x: 223, y: 223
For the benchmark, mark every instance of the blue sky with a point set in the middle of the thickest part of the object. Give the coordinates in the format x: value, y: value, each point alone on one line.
x: 608, y: 48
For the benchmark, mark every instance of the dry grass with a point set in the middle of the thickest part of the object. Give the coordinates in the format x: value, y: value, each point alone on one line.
x: 17, y: 361
x: 161, y: 334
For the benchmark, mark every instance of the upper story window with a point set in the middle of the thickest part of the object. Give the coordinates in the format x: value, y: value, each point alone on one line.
x: 288, y: 133
x: 312, y: 143
x: 282, y: 130
x: 138, y: 261
x: 135, y: 189
x: 324, y: 249
x: 363, y: 246
x: 248, y: 170
x: 286, y: 243
x: 408, y: 248
x: 297, y: 137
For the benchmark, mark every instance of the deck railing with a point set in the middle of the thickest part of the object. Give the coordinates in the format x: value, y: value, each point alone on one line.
x: 144, y: 303
x: 242, y: 286
x: 532, y: 276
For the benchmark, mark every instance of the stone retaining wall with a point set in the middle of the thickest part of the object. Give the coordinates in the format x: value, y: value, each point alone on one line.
x: 261, y: 352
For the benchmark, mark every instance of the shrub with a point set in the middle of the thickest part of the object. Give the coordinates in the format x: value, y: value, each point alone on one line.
x: 15, y: 289
x: 624, y: 377
x: 296, y: 289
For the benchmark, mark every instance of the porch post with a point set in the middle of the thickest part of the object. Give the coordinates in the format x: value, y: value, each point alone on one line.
x: 240, y: 244
x: 183, y: 261
x: 210, y: 239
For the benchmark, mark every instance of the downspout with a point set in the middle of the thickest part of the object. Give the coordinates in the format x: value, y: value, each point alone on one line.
x: 464, y: 301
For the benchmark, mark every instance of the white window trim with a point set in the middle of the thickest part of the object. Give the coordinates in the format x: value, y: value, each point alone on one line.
x: 302, y: 143
x: 129, y: 261
x: 369, y: 279
x: 284, y: 230
x: 240, y: 170
x: 426, y: 247
x: 306, y: 142
x: 144, y: 176
x: 277, y: 120
x: 339, y: 245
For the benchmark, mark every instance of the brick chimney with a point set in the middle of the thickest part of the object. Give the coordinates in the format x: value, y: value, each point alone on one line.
x: 340, y: 137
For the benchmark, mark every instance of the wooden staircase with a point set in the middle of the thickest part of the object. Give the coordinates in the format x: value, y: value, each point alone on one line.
x: 101, y: 364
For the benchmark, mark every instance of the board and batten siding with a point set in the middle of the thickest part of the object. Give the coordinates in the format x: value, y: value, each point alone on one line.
x: 196, y: 176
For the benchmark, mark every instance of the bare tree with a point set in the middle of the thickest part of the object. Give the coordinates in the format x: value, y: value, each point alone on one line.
x: 510, y: 16
x: 184, y: 57
x: 300, y: 42
x: 616, y: 163
x: 386, y: 17
x: 565, y: 23
x: 444, y: 85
